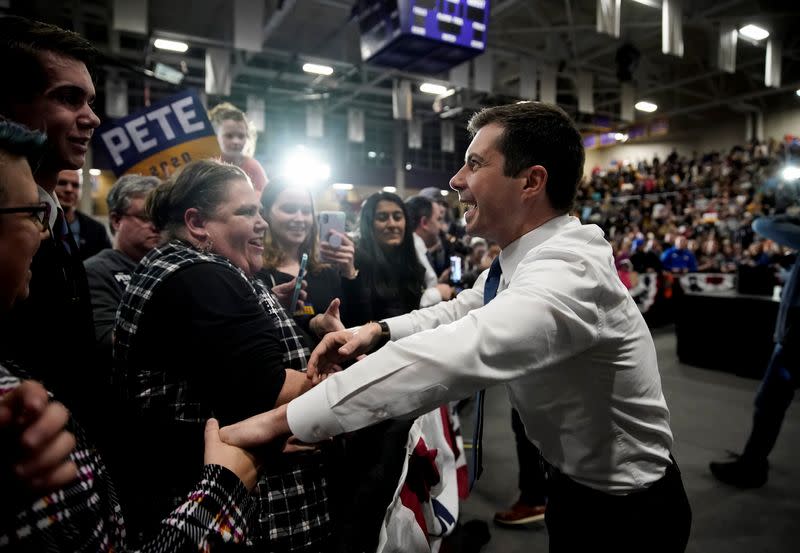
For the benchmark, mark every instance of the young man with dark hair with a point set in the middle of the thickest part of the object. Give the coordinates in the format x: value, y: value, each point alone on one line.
x: 51, y: 332
x: 551, y: 320
x: 425, y: 218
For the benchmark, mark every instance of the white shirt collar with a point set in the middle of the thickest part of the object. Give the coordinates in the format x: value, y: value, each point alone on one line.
x: 45, y: 196
x: 512, y: 254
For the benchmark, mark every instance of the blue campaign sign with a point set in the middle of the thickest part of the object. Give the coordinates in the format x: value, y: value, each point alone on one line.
x: 160, y: 138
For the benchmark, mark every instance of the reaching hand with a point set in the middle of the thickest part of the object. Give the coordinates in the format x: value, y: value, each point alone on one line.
x: 258, y: 430
x: 329, y: 321
x: 36, y: 438
x: 341, y: 346
x: 343, y: 256
x: 284, y: 293
x: 240, y: 462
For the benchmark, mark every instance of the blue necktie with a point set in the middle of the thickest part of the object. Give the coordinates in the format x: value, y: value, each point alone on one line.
x: 489, y: 292
x: 63, y: 232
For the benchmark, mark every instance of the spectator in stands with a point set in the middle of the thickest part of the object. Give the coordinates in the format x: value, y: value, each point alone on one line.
x: 750, y: 469
x: 711, y: 259
x: 678, y: 259
x: 60, y: 496
x: 293, y: 231
x: 646, y: 259
x: 90, y: 235
x: 52, y: 91
x: 425, y: 218
x: 194, y: 301
x: 109, y: 272
x: 236, y: 137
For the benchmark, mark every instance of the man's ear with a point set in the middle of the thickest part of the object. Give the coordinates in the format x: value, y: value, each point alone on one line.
x: 114, y: 219
x: 195, y: 224
x: 535, y: 181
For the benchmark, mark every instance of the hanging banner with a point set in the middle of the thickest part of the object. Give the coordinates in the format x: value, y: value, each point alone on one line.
x: 159, y: 139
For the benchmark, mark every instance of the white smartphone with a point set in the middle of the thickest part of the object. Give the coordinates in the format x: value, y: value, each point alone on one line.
x: 328, y: 221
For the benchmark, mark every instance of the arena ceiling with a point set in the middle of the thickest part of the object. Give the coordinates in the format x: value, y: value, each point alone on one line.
x: 557, y: 32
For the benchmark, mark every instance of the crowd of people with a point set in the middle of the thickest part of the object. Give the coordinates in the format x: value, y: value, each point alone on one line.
x: 183, y: 322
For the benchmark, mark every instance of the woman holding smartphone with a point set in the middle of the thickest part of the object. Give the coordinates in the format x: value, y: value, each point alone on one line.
x: 293, y: 231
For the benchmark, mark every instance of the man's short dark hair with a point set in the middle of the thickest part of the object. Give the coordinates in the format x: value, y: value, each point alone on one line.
x: 535, y: 133
x: 418, y: 207
x: 22, y: 41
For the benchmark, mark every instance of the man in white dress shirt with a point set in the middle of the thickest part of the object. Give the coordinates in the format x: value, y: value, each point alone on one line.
x: 426, y: 217
x: 562, y: 334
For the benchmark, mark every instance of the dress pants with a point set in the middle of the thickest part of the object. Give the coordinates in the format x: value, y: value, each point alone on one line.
x: 531, y: 474
x: 774, y: 397
x: 657, y: 519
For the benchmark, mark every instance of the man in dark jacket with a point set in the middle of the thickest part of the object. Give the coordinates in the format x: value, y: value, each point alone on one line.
x: 53, y: 92
x: 90, y: 235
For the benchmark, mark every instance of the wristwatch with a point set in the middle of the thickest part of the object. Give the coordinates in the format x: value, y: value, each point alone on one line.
x: 385, y: 335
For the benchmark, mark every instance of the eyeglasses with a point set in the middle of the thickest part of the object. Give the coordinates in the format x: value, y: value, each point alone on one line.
x: 39, y: 213
x: 140, y: 216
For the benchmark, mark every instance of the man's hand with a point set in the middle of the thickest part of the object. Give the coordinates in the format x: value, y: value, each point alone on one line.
x: 343, y: 256
x: 240, y: 462
x: 327, y: 322
x: 258, y: 430
x: 447, y: 292
x: 33, y: 432
x: 341, y: 346
x: 284, y: 293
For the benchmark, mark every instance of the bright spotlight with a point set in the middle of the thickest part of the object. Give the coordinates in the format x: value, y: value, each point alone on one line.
x: 444, y: 192
x: 95, y: 172
x: 391, y: 189
x: 797, y: 92
x: 791, y: 173
x: 647, y: 107
x: 317, y: 69
x: 342, y: 186
x: 303, y: 167
x: 432, y: 88
x: 408, y: 166
x: 372, y: 155
x: 753, y: 32
x: 171, y: 45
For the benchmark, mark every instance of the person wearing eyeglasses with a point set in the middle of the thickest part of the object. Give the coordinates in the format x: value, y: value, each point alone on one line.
x: 110, y: 270
x: 90, y: 235
x: 57, y: 494
x: 53, y: 92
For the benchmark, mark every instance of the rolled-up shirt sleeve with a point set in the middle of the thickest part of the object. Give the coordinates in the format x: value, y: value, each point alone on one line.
x: 447, y: 352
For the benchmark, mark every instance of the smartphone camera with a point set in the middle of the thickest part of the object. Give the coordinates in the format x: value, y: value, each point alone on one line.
x: 455, y: 270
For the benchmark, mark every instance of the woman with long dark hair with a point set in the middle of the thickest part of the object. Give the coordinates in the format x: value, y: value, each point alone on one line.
x: 390, y: 279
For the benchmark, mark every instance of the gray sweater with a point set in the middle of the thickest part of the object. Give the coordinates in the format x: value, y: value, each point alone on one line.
x: 108, y: 273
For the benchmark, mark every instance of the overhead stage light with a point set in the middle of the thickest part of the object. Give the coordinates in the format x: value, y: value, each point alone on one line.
x: 753, y: 32
x: 303, y: 167
x: 95, y: 172
x: 650, y: 3
x: 317, y: 69
x: 431, y: 88
x: 391, y: 189
x: 342, y: 186
x: 171, y: 45
x: 647, y: 107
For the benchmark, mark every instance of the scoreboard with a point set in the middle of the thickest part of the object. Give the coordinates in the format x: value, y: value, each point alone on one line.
x: 428, y: 36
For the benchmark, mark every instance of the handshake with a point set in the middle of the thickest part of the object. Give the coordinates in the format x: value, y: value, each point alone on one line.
x: 33, y: 429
